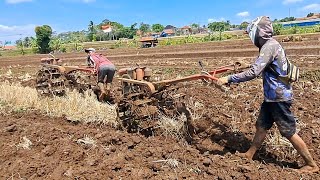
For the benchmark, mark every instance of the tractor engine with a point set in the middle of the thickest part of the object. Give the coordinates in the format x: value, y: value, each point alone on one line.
x: 136, y: 73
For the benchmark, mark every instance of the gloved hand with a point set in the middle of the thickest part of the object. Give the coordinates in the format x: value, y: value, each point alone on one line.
x: 223, y: 80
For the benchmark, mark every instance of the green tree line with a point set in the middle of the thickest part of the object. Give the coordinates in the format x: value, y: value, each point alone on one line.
x: 46, y: 40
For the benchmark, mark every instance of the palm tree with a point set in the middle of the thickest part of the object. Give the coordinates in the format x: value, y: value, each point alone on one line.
x: 92, y: 30
x: 91, y: 27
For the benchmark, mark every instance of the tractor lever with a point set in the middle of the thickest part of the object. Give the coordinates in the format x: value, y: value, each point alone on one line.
x: 201, y: 65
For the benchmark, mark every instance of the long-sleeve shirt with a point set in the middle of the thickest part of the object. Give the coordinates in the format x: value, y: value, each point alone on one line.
x: 271, y: 54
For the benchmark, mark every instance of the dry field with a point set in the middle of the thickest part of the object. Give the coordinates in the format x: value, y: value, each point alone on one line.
x: 79, y: 138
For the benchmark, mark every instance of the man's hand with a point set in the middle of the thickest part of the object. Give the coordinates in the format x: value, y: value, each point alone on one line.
x: 223, y: 80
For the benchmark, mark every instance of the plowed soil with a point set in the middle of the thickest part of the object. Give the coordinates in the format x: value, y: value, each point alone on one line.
x: 224, y: 123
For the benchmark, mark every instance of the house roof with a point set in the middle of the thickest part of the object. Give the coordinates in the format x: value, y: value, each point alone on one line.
x: 169, y: 27
x: 106, y: 28
x: 8, y: 47
x: 168, y: 31
x: 186, y: 27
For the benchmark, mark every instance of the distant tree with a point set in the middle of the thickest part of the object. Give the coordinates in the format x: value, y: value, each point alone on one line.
x: 26, y: 42
x: 277, y: 28
x: 127, y: 32
x: 219, y: 26
x: 144, y: 28
x: 43, y: 35
x: 244, y: 25
x: 92, y: 31
x: 69, y: 37
x: 94, y: 37
x: 195, y: 28
x: 133, y: 30
x: 55, y: 44
x: 157, y: 28
x: 20, y: 46
x: 18, y: 42
x: 134, y: 26
x: 106, y: 21
x: 116, y: 25
x: 310, y: 15
x: 233, y: 26
x: 91, y: 26
x: 75, y: 39
x: 287, y: 19
x: 33, y: 44
x: 117, y: 28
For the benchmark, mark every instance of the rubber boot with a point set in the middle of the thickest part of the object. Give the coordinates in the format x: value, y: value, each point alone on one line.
x: 103, y: 92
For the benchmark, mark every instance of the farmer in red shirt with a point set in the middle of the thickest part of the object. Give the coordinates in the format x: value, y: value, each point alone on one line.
x: 105, y: 70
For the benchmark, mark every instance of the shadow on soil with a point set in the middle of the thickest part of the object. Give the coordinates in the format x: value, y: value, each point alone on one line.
x: 233, y: 142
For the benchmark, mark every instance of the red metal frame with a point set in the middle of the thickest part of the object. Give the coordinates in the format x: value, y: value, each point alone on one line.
x: 155, y: 86
x: 199, y: 76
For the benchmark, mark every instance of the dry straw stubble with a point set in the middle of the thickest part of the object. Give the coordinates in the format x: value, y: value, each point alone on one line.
x: 74, y: 106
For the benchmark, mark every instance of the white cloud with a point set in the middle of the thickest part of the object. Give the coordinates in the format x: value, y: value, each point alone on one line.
x: 291, y: 1
x: 243, y: 14
x: 311, y: 8
x: 17, y: 1
x: 210, y: 20
x: 13, y: 33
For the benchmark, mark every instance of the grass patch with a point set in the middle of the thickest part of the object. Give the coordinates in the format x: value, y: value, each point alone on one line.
x: 16, y: 52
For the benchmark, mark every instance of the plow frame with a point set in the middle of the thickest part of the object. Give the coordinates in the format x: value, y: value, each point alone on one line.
x: 207, y: 76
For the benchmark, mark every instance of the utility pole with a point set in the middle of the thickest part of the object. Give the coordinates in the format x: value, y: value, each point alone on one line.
x: 21, y: 45
x: 289, y: 13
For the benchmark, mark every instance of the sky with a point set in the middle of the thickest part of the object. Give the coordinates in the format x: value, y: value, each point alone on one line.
x: 19, y: 17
